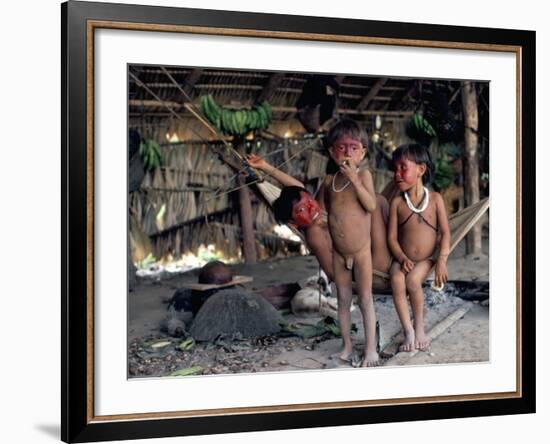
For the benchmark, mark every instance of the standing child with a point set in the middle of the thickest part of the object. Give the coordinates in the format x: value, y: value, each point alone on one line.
x: 418, y: 232
x: 350, y: 199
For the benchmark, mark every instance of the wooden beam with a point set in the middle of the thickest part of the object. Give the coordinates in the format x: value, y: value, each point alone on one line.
x: 271, y: 86
x: 363, y: 87
x: 228, y: 86
x: 339, y: 79
x: 186, y: 86
x: 392, y: 350
x: 282, y: 109
x: 154, y: 103
x: 191, y: 79
x: 159, y: 85
x: 407, y: 96
x: 373, y: 92
x: 389, y: 102
x: 248, y: 75
x: 393, y: 88
x: 471, y: 160
x: 208, y: 72
x: 455, y: 95
x: 358, y: 96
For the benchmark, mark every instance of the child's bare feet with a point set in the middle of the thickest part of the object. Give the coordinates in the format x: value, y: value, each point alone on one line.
x: 370, y: 359
x: 421, y: 342
x: 409, y: 342
x: 346, y: 354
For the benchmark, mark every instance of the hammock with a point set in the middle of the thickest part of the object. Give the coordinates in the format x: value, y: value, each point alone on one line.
x: 460, y: 223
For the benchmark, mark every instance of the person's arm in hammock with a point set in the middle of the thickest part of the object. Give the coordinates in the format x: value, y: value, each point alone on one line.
x: 259, y: 163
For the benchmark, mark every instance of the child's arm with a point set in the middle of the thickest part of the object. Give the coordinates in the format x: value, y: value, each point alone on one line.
x: 364, y: 186
x: 393, y: 243
x: 258, y: 162
x: 441, y: 274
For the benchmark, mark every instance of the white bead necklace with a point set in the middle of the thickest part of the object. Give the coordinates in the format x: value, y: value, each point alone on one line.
x: 334, y: 186
x: 423, y: 204
x: 334, y: 183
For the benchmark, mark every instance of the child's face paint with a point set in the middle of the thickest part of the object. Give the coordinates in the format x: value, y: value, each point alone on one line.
x: 407, y: 173
x: 347, y: 149
x: 305, y: 211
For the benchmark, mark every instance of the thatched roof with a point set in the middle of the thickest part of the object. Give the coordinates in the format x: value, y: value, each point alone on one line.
x: 155, y: 90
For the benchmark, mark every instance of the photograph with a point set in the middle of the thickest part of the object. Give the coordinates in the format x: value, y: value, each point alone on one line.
x: 279, y: 222
x: 286, y: 221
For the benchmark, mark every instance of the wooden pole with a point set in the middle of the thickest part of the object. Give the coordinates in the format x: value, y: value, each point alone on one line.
x: 397, y: 358
x: 245, y: 208
x: 471, y: 160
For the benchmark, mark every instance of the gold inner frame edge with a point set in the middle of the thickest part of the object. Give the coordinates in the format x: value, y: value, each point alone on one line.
x: 92, y: 25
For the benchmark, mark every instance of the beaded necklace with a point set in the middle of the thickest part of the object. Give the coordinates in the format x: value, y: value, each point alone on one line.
x: 423, y: 203
x: 334, y: 183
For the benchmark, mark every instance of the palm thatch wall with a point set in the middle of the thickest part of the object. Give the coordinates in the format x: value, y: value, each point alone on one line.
x: 190, y: 200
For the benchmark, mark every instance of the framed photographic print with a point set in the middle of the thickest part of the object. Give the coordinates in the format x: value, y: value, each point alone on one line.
x: 276, y: 221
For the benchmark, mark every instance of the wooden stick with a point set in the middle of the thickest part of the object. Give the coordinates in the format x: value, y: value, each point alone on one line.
x: 404, y: 357
x: 373, y: 91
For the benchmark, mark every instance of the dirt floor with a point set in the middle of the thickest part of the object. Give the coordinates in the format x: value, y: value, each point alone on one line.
x: 152, y: 352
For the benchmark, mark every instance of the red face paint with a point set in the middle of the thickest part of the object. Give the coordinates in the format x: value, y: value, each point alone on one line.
x: 349, y: 149
x: 406, y: 174
x: 305, y: 211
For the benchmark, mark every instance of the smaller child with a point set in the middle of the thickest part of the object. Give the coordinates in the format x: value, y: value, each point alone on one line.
x: 418, y: 231
x: 297, y: 207
x: 350, y: 200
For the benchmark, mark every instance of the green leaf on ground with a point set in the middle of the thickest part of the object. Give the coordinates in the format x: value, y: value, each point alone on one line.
x: 188, y: 344
x: 187, y: 371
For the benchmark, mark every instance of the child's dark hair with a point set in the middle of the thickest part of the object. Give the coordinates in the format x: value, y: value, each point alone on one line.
x: 418, y: 154
x: 343, y: 127
x: 346, y: 127
x: 282, y: 206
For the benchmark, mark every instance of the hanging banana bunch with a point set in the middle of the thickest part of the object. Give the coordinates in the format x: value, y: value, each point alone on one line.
x: 419, y: 129
x: 149, y: 150
x: 236, y: 122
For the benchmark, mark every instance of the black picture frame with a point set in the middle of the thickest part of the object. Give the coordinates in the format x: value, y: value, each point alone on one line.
x: 78, y: 423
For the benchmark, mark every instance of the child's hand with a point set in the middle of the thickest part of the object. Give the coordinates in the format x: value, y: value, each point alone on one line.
x: 256, y: 161
x: 441, y: 274
x: 349, y: 171
x: 407, y: 265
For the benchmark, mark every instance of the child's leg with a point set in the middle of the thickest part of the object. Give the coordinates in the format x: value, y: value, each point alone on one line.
x: 342, y: 279
x: 414, y: 282
x: 399, y: 290
x: 363, y: 277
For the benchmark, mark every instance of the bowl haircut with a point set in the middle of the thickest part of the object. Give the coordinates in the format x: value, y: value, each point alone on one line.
x: 282, y: 206
x: 343, y: 128
x: 418, y: 154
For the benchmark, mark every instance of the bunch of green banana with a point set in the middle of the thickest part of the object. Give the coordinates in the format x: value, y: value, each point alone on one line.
x: 236, y: 122
x: 262, y: 115
x: 419, y: 124
x: 444, y: 174
x: 211, y: 110
x: 149, y: 150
